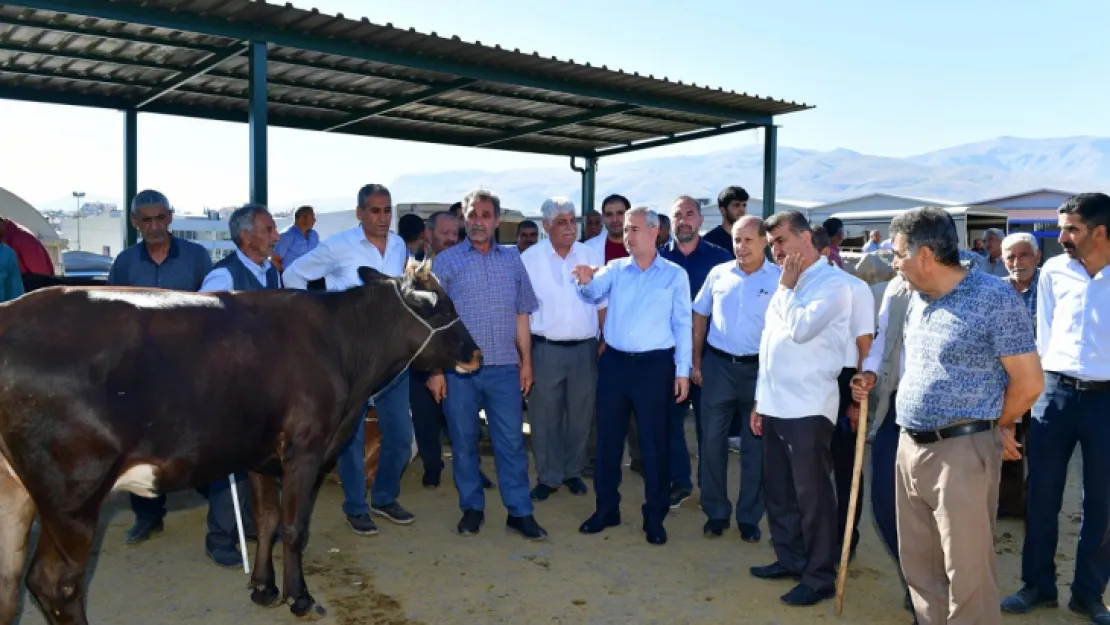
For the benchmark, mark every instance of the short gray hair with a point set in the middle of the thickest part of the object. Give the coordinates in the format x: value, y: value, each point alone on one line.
x: 481, y: 195
x: 651, y: 218
x: 242, y: 220
x: 149, y: 197
x: 995, y: 231
x: 554, y: 207
x: 1021, y: 237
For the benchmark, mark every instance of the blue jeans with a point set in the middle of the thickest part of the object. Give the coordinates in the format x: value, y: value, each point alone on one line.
x: 396, y: 427
x: 884, y: 454
x: 223, y: 532
x: 1062, y: 418
x: 496, y: 388
x: 676, y: 430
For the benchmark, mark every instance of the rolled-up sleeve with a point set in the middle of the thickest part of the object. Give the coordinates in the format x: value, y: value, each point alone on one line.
x: 312, y: 266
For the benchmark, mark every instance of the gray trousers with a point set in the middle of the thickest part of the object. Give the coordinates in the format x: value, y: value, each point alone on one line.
x: 561, y: 408
x: 801, y: 497
x: 728, y: 391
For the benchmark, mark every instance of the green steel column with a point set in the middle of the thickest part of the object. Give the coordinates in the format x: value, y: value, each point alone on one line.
x: 256, y: 63
x: 770, y: 166
x: 589, y: 186
x: 130, y: 173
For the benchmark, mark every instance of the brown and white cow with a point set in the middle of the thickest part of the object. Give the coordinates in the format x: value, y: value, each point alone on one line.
x: 151, y: 391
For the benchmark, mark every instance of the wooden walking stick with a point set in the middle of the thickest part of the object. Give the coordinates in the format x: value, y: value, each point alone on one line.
x: 857, y: 470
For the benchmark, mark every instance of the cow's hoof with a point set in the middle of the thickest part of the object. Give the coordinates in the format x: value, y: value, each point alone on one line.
x: 266, y: 596
x: 308, y: 610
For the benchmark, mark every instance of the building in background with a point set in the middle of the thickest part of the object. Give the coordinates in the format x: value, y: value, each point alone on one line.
x: 16, y: 209
x: 1034, y: 212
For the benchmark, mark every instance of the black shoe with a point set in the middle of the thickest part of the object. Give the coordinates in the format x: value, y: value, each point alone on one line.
x: 750, y: 533
x: 598, y: 523
x: 679, y: 494
x: 486, y: 482
x: 142, y: 531
x: 431, y: 479
x: 773, y: 571
x: 655, y: 533
x: 227, y: 557
x: 394, y: 512
x: 1093, y: 610
x: 526, y: 526
x: 542, y: 492
x: 714, y: 528
x: 802, y: 595
x: 471, y: 522
x: 362, y: 524
x: 636, y: 466
x: 1027, y: 599
x: 576, y: 486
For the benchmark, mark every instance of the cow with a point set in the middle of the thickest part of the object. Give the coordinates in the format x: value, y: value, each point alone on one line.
x: 150, y: 391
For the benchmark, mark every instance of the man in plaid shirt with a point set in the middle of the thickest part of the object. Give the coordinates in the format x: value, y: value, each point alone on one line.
x: 491, y: 291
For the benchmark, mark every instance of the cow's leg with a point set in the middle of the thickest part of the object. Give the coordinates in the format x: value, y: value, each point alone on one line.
x: 300, y: 485
x: 267, y: 515
x: 16, y: 513
x: 57, y: 574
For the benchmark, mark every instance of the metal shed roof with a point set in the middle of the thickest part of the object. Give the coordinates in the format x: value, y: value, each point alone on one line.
x: 334, y: 74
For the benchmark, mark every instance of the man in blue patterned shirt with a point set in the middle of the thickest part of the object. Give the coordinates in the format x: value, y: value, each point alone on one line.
x: 971, y: 371
x: 490, y: 288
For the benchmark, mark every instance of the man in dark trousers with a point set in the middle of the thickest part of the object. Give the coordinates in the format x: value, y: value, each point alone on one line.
x: 159, y: 261
x: 696, y: 256
x: 801, y: 355
x: 248, y: 269
x: 642, y: 369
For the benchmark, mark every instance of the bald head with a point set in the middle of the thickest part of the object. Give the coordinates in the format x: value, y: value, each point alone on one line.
x: 749, y: 241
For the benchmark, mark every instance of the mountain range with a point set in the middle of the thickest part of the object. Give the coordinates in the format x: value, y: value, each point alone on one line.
x: 968, y: 172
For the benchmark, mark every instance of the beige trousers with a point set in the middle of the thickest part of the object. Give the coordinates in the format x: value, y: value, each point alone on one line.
x: 946, y: 496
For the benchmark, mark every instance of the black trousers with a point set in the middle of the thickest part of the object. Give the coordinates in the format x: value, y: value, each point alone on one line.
x: 801, y: 503
x: 843, y: 449
x: 428, y: 422
x: 643, y: 384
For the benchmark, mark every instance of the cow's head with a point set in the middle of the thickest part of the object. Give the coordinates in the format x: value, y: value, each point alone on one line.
x: 427, y: 319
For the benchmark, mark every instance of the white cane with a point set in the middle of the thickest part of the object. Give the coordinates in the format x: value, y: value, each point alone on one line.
x: 239, y: 523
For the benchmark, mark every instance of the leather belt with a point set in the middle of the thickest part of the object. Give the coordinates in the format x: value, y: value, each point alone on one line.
x: 1095, y: 386
x: 952, y: 431
x: 536, y: 338
x: 748, y: 360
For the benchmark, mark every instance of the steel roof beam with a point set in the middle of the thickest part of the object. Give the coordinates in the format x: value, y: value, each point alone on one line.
x: 679, y: 138
x: 240, y: 116
x: 203, y: 68
x: 215, y: 26
x: 397, y: 103
x: 559, y: 123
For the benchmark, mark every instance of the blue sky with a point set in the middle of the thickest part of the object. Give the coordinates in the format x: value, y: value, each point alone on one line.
x: 889, y: 78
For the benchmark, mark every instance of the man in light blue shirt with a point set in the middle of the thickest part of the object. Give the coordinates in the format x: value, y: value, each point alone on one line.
x: 336, y: 260
x: 642, y: 370
x: 730, y: 308
x: 296, y: 240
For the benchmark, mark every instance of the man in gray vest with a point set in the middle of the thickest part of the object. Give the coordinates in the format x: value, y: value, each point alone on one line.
x: 159, y: 261
x: 248, y: 269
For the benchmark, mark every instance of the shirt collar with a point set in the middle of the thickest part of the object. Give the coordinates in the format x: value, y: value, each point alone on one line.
x: 672, y: 247
x: 494, y: 247
x: 144, y: 254
x: 264, y: 267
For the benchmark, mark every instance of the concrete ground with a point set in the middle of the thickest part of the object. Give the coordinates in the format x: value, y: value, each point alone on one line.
x: 426, y: 573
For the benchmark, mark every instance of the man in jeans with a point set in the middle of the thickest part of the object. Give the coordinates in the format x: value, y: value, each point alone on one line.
x: 337, y: 260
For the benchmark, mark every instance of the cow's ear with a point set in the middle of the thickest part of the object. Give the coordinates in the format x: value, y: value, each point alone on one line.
x: 370, y: 276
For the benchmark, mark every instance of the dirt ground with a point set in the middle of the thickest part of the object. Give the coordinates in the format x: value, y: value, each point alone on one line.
x: 426, y: 573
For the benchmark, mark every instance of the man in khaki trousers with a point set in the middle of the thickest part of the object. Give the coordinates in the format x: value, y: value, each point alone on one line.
x: 971, y: 371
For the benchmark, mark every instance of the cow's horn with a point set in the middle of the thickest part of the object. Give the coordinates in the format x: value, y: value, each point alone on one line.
x: 425, y: 269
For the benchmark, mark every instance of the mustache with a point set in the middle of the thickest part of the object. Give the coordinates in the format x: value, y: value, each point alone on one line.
x: 1069, y: 246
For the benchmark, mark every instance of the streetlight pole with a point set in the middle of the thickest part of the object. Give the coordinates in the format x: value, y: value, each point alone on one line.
x: 79, y: 195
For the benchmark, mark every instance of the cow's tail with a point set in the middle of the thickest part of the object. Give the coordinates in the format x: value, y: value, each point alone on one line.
x: 17, y: 511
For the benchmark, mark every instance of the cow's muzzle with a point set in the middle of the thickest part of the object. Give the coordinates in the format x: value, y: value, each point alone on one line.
x: 472, y: 366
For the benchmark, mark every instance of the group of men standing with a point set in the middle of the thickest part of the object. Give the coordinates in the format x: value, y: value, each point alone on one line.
x: 615, y: 330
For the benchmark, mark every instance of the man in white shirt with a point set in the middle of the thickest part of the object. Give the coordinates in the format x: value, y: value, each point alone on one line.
x: 564, y: 353
x: 1073, y: 339
x: 801, y: 352
x: 336, y: 260
x: 844, y: 438
x: 731, y: 306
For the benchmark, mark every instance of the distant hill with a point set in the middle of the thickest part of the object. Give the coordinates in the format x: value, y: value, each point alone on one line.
x: 962, y: 173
